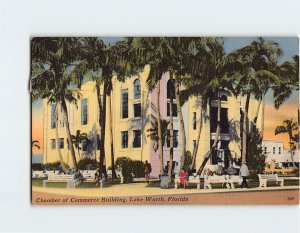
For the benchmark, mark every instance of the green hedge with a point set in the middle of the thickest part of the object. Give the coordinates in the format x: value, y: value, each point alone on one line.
x: 88, y: 164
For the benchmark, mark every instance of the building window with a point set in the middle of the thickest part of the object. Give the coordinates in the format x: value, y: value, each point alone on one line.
x: 124, y: 138
x: 52, y: 144
x: 84, y: 112
x: 124, y: 103
x: 137, y: 110
x: 61, y: 118
x: 61, y: 143
x: 274, y: 150
x: 84, y: 145
x: 265, y: 150
x: 279, y: 150
x: 170, y: 90
x: 175, y: 138
x: 194, y: 120
x: 136, y: 138
x: 174, y: 110
x: 53, y: 117
x: 137, y: 89
x: 223, y: 98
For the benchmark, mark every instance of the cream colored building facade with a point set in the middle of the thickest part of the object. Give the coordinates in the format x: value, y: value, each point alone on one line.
x: 133, y: 109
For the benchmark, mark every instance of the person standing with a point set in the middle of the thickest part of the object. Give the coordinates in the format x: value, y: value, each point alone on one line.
x: 147, y: 170
x: 244, y: 173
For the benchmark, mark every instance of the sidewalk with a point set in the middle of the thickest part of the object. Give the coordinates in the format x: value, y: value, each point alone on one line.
x: 140, y: 189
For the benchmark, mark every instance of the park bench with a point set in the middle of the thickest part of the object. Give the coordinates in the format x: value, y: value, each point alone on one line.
x: 209, y: 180
x: 264, y: 178
x: 70, y: 181
x: 226, y: 180
x: 192, y: 180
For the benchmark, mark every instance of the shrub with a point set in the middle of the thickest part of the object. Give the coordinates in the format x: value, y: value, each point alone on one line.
x: 137, y: 168
x: 53, y: 166
x: 255, y: 156
x: 87, y: 164
x: 125, y: 164
x: 37, y: 166
x: 187, y: 160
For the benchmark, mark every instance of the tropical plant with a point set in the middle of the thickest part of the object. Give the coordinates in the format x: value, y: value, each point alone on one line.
x: 35, y: 143
x: 255, y: 156
x: 153, y: 132
x: 168, y: 55
x: 289, y: 127
x: 216, y: 72
x: 261, y: 58
x: 78, y: 139
x: 57, y: 64
x: 103, y: 63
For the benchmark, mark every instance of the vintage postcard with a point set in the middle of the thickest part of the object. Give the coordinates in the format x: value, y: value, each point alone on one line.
x: 165, y: 120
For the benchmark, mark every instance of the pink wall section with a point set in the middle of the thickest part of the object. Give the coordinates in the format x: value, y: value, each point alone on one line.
x: 154, y: 156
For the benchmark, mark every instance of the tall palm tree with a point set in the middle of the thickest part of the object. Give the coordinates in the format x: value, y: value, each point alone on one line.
x: 56, y: 64
x: 261, y: 58
x: 104, y: 62
x: 167, y: 55
x: 289, y: 127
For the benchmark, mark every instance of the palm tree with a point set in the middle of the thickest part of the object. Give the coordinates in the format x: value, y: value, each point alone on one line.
x: 167, y: 55
x: 153, y: 132
x: 289, y: 127
x: 56, y: 64
x: 78, y: 139
x: 104, y: 62
x: 261, y: 58
x: 35, y: 143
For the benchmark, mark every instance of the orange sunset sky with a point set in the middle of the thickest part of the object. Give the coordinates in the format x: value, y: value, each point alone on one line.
x: 273, y: 117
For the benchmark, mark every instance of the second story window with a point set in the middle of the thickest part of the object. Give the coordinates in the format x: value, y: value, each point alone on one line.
x: 124, y: 139
x: 136, y: 138
x: 84, y: 112
x: 174, y: 110
x: 279, y: 150
x: 194, y: 120
x: 53, y: 117
x: 274, y: 149
x: 170, y: 90
x: 137, y: 89
x: 175, y: 138
x: 124, y: 113
x: 265, y: 150
x: 137, y: 110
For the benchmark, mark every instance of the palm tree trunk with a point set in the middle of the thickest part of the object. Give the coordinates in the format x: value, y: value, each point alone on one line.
x: 57, y: 141
x: 102, y: 119
x: 245, y: 129
x: 171, y: 139
x: 113, y: 170
x: 66, y: 120
x: 256, y: 113
x: 160, y: 144
x: 182, y: 130
x: 197, y: 142
x: 263, y: 117
x: 209, y: 153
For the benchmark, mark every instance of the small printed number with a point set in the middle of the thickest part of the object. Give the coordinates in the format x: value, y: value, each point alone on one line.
x: 290, y: 198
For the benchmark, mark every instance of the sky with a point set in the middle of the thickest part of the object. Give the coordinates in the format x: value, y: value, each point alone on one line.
x: 273, y: 117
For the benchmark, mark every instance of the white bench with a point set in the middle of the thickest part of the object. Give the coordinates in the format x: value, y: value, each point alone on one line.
x: 209, y: 180
x: 192, y: 180
x: 264, y: 178
x: 226, y: 180
x: 69, y: 179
